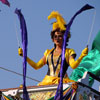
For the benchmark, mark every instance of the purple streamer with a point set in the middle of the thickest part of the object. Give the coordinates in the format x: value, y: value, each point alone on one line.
x: 24, y: 44
x: 60, y: 86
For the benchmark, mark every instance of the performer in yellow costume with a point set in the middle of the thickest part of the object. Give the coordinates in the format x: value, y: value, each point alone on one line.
x: 52, y: 57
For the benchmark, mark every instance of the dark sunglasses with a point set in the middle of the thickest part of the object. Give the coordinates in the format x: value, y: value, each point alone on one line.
x: 58, y: 36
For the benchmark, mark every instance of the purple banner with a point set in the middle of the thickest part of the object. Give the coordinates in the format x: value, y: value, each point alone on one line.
x: 24, y: 44
x: 60, y: 86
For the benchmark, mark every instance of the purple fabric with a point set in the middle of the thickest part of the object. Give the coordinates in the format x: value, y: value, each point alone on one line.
x: 60, y: 86
x: 24, y: 44
x: 5, y: 2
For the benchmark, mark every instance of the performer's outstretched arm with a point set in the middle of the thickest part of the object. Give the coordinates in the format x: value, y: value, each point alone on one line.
x: 74, y: 64
x: 37, y: 65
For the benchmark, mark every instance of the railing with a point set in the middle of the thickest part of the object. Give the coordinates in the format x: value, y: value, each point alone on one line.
x: 84, y: 92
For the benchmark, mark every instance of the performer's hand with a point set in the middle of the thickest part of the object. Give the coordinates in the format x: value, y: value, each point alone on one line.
x: 84, y: 52
x: 20, y: 52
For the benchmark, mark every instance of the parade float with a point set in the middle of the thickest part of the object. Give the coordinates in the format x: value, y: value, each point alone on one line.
x: 83, y: 76
x: 84, y: 91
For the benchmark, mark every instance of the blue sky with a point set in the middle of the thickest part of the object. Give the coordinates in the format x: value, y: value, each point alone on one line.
x: 38, y: 27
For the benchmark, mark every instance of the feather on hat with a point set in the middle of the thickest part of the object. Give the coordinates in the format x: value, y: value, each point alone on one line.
x: 60, y: 23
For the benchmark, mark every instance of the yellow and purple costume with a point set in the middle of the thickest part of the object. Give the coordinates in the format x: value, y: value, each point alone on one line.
x: 54, y: 64
x: 54, y: 61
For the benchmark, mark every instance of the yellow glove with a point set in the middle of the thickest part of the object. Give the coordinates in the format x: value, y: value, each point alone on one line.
x: 84, y: 52
x: 30, y: 62
x: 74, y: 63
x: 20, y: 52
x: 37, y: 65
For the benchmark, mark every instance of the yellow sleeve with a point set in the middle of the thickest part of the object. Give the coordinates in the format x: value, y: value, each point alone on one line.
x: 68, y: 53
x: 47, y: 52
x: 71, y: 52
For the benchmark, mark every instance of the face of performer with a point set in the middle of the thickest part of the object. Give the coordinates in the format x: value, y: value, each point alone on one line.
x: 58, y: 39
